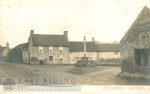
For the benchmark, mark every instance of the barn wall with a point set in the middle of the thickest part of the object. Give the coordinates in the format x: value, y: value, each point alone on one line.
x: 136, y: 40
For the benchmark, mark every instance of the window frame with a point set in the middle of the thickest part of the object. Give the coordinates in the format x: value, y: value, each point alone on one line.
x: 41, y: 49
x: 52, y: 58
x: 61, y: 58
x: 50, y: 48
x: 61, y: 49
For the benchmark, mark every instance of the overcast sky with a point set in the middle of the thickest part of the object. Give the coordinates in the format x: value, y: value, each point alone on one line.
x: 106, y: 20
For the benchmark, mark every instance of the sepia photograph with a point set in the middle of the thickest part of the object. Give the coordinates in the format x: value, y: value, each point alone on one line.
x: 76, y: 46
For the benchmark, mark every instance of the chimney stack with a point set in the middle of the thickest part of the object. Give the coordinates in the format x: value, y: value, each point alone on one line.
x: 66, y: 34
x: 7, y: 44
x: 93, y: 39
x: 31, y: 32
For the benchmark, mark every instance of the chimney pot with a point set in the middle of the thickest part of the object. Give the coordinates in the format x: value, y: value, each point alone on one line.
x: 66, y: 34
x: 7, y: 44
x: 93, y: 39
x: 31, y: 31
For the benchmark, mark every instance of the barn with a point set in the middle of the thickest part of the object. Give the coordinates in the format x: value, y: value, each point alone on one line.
x: 135, y: 45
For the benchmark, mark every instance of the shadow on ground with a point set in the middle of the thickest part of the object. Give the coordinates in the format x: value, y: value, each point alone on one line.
x: 134, y: 80
x: 83, y: 70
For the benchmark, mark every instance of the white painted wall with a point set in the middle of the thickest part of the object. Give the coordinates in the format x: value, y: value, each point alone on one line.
x: 75, y: 56
x: 109, y: 55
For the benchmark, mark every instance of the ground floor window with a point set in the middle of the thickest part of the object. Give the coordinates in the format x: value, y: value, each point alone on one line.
x: 50, y: 58
x: 61, y: 58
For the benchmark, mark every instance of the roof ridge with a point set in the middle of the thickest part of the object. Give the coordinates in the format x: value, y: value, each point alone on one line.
x: 53, y: 40
x: 49, y: 34
x: 80, y: 41
x: 144, y: 12
x: 145, y: 8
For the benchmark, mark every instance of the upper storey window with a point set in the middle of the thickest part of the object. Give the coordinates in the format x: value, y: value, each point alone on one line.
x: 60, y: 49
x: 50, y: 49
x: 40, y: 49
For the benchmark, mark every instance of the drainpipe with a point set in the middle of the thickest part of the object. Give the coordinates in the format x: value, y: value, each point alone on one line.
x: 84, y: 46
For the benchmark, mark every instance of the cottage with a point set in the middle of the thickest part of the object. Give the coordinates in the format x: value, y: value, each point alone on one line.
x: 52, y: 49
x: 56, y: 49
x: 135, y: 45
x: 98, y: 52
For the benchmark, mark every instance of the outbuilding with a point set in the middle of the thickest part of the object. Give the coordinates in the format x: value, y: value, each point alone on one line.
x: 135, y: 45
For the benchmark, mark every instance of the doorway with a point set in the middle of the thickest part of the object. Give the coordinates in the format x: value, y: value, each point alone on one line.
x: 141, y: 57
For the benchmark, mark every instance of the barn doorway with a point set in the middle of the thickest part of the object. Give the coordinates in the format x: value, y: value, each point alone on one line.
x: 142, y: 57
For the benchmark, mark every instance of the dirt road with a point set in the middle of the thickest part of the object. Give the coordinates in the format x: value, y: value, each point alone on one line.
x: 101, y: 75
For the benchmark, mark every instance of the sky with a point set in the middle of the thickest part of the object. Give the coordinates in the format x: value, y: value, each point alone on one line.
x: 106, y: 20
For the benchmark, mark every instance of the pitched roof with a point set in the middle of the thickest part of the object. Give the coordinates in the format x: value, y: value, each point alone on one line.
x: 77, y: 46
x: 141, y: 24
x: 20, y: 46
x: 49, y: 40
x: 15, y: 54
x: 93, y: 47
x: 23, y: 45
x: 143, y: 21
x: 108, y: 47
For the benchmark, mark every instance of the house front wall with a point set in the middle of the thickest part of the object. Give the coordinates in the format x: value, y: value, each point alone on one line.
x: 25, y: 56
x: 45, y: 55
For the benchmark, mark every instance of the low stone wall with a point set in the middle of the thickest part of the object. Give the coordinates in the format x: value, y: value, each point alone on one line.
x: 113, y: 61
x: 3, y: 58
